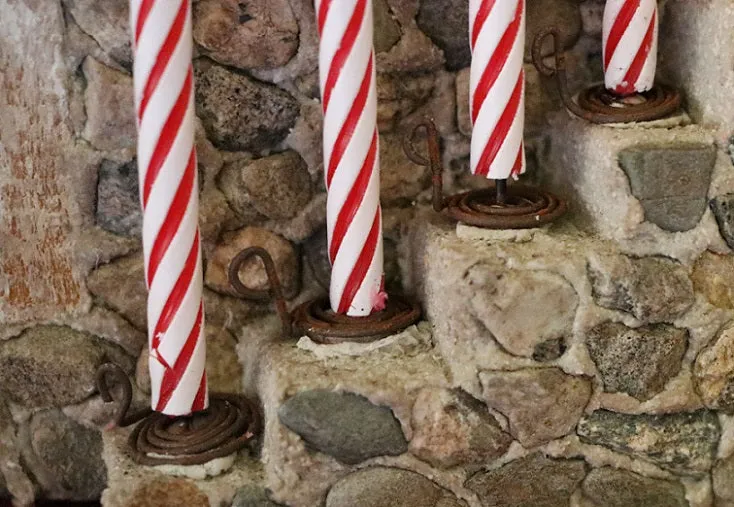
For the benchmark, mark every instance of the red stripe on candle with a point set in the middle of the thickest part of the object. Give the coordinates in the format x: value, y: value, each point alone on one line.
x: 345, y: 47
x: 350, y: 123
x: 622, y: 21
x: 172, y: 376
x: 353, y: 200
x: 356, y: 277
x: 500, y: 131
x: 633, y: 73
x: 175, y: 298
x: 497, y: 62
x: 323, y: 11
x: 168, y: 135
x: 200, y: 394
x: 161, y: 62
x: 145, y: 7
x: 517, y: 168
x: 173, y: 219
x: 482, y: 14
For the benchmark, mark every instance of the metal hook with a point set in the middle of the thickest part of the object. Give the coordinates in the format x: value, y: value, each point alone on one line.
x: 111, y: 371
x: 275, y: 292
x: 433, y: 161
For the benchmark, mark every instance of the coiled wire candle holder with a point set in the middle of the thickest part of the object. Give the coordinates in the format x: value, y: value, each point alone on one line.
x: 315, y: 318
x: 597, y: 104
x: 501, y: 207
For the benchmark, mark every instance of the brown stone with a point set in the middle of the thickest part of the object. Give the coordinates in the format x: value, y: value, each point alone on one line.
x: 713, y: 372
x: 120, y: 285
x: 107, y: 22
x: 400, y: 179
x: 533, y: 481
x: 541, y: 404
x: 278, y: 186
x: 252, y: 273
x: 399, y: 95
x: 109, y: 104
x: 387, y: 30
x: 451, y: 428
x: 168, y: 492
x: 610, y: 487
x: 562, y: 14
x: 723, y: 475
x: 247, y: 35
x: 713, y: 276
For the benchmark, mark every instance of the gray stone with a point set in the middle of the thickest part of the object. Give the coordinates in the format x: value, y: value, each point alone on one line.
x: 109, y: 104
x: 723, y: 481
x: 713, y: 372
x: 549, y: 350
x: 107, y: 22
x: 278, y: 186
x: 652, y: 289
x: 533, y: 481
x: 502, y: 298
x: 723, y: 208
x: 685, y: 443
x: 120, y: 285
x: 389, y: 487
x: 343, y: 425
x: 49, y: 366
x: 399, y: 95
x: 639, y: 361
x: 452, y: 428
x: 446, y: 22
x: 14, y: 483
x: 252, y: 273
x: 387, y: 30
x: 253, y: 496
x: 679, y: 203
x: 118, y: 203
x: 247, y: 35
x: 541, y: 404
x: 70, y: 453
x: 610, y: 487
x: 240, y: 113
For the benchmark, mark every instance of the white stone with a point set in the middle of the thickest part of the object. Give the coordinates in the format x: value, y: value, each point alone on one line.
x: 212, y: 468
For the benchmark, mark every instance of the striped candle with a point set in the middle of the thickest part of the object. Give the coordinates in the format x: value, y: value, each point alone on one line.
x: 497, y: 86
x: 630, y: 45
x: 164, y: 98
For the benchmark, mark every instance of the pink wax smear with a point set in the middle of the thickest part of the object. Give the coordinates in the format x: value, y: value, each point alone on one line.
x: 379, y: 300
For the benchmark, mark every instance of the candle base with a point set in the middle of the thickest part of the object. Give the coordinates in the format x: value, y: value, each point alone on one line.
x: 599, y: 105
x: 228, y: 425
x: 316, y: 320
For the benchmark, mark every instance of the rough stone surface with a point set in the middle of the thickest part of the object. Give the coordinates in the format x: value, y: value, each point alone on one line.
x: 400, y: 179
x: 451, y: 428
x: 109, y: 104
x: 713, y: 276
x: 247, y: 35
x: 533, y: 481
x: 502, y: 298
x: 118, y: 201
x: 722, y: 480
x: 652, y: 289
x: 563, y: 14
x: 389, y: 487
x: 13, y: 479
x: 446, y: 24
x: 685, y: 443
x: 70, y: 454
x: 107, y: 23
x: 541, y: 404
x: 387, y: 30
x: 120, y: 285
x: 168, y: 492
x: 611, y: 487
x: 253, y: 496
x: 343, y: 425
x: 278, y: 186
x: 252, y: 273
x: 271, y: 112
x: 639, y: 361
x: 49, y: 366
x: 679, y: 203
x: 714, y: 372
x: 723, y: 208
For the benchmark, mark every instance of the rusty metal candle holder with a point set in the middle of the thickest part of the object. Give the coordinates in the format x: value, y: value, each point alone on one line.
x: 315, y: 318
x: 228, y: 425
x: 597, y: 104
x: 500, y: 207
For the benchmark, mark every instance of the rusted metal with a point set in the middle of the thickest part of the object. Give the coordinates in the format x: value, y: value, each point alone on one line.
x: 228, y: 425
x: 316, y: 320
x: 501, y: 207
x: 596, y: 104
x: 275, y: 290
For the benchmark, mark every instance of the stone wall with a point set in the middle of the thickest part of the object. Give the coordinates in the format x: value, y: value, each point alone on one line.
x: 586, y: 365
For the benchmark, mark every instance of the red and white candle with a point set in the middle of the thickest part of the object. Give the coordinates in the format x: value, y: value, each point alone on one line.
x: 497, y: 86
x: 351, y: 155
x: 164, y: 98
x: 630, y: 45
